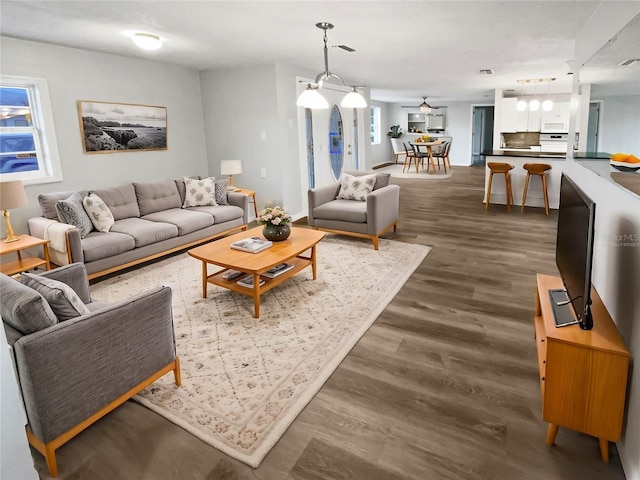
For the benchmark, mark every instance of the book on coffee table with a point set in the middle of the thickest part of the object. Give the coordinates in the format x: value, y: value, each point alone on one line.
x: 252, y: 245
x: 278, y: 270
x: 248, y: 281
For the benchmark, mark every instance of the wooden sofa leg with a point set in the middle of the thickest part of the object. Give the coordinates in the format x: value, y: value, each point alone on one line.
x: 176, y: 372
x: 375, y: 242
x: 50, y: 456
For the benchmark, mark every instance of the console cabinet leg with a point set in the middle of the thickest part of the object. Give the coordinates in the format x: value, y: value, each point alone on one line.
x: 551, y: 433
x: 604, y: 449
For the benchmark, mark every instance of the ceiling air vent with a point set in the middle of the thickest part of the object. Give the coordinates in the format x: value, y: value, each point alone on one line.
x: 629, y: 62
x: 486, y: 71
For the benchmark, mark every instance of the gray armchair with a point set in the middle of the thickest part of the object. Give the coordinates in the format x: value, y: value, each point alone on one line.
x: 371, y: 218
x: 73, y: 372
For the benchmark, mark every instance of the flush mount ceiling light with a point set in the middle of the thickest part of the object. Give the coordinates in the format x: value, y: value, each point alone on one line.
x: 311, y: 97
x: 147, y: 41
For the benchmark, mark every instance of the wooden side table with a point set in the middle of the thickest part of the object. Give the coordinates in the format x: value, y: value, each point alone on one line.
x: 252, y: 194
x: 28, y: 262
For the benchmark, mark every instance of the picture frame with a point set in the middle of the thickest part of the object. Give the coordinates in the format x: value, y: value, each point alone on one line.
x: 110, y: 127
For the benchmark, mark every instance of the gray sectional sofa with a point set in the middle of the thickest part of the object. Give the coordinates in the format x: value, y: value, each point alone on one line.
x: 149, y: 222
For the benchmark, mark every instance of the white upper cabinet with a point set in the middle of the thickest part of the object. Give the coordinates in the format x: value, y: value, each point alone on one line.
x: 557, y: 119
x: 509, y: 117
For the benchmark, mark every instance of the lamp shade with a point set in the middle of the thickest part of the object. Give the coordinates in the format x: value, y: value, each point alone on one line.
x: 12, y: 195
x: 311, y: 98
x: 521, y: 106
x: 230, y: 167
x: 534, y: 105
x: 353, y: 99
x: 547, y: 105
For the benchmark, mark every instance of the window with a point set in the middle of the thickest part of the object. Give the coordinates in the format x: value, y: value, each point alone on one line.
x: 28, y: 150
x: 375, y: 125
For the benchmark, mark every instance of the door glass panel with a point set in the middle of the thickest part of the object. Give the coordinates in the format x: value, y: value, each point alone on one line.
x: 336, y: 141
x: 310, y: 158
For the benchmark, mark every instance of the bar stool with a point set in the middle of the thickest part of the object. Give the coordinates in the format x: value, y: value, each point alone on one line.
x: 536, y: 169
x: 499, y: 167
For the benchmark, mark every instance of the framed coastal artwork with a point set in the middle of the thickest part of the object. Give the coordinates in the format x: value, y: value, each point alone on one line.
x: 108, y: 127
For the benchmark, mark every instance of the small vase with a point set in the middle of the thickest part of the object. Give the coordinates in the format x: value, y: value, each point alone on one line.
x: 276, y: 233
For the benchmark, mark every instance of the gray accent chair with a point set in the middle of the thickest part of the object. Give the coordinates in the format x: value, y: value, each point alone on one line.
x: 369, y: 219
x: 73, y: 372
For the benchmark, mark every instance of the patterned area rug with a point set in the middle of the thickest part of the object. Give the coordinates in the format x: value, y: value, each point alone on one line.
x: 244, y: 380
x: 396, y: 171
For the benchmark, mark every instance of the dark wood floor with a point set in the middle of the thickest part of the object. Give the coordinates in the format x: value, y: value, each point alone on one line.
x: 443, y: 386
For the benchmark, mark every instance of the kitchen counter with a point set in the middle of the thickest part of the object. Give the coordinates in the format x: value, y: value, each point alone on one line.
x: 524, y: 153
x: 598, y: 162
x: 535, y: 196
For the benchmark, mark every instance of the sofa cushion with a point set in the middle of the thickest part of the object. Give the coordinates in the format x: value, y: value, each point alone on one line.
x: 98, y: 212
x: 382, y: 179
x: 181, y: 187
x: 48, y: 201
x: 199, y: 193
x: 344, y: 210
x: 221, y: 192
x: 121, y: 201
x: 221, y: 213
x: 356, y: 188
x: 143, y: 231
x: 71, y: 211
x: 158, y: 196
x: 23, y: 308
x: 64, y: 302
x: 186, y: 221
x: 99, y: 245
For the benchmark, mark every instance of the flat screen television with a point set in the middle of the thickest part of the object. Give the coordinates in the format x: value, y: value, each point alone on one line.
x: 574, y: 256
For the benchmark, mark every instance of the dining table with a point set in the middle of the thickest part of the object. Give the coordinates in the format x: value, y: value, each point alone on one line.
x: 429, y: 151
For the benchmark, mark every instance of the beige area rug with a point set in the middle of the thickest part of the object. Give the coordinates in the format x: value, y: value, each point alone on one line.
x: 396, y: 171
x: 245, y: 380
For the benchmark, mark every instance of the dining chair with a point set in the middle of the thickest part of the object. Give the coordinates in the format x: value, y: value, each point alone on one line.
x: 410, y: 156
x: 443, y: 153
x: 420, y: 156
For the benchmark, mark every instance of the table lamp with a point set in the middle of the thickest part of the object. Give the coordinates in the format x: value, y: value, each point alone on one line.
x: 231, y: 168
x: 12, y: 195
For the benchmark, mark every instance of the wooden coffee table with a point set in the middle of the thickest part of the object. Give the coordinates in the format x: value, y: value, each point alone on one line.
x: 221, y: 254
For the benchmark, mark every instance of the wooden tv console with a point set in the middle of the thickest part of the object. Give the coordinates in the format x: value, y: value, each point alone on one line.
x: 583, y: 373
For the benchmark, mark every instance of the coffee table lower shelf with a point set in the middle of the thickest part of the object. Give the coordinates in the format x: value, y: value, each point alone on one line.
x: 299, y: 261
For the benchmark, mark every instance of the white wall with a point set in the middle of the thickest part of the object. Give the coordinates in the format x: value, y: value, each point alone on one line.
x: 74, y: 75
x: 15, y: 457
x: 616, y: 273
x: 619, y: 124
x: 382, y: 153
x: 251, y: 114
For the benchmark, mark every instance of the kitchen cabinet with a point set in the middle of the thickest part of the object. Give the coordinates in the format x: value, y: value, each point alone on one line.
x: 508, y: 115
x: 528, y: 121
x: 422, y: 122
x: 556, y: 120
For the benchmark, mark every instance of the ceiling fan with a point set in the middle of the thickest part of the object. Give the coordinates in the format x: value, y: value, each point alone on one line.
x: 424, y: 106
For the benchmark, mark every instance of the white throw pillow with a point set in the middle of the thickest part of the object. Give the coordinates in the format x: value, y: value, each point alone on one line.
x: 62, y: 299
x: 98, y: 212
x: 199, y: 193
x: 356, y: 188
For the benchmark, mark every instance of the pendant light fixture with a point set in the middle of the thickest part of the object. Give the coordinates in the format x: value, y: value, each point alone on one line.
x: 534, y: 105
x: 547, y: 105
x: 521, y: 105
x: 310, y: 97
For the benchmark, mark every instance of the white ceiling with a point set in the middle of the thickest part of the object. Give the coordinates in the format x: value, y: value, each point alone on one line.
x: 404, y: 49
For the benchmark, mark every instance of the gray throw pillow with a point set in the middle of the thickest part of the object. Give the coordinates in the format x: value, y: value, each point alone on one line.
x: 62, y: 299
x: 221, y: 192
x: 23, y: 308
x: 71, y: 211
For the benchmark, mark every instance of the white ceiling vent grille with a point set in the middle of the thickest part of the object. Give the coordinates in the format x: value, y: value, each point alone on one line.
x: 629, y: 62
x: 486, y: 71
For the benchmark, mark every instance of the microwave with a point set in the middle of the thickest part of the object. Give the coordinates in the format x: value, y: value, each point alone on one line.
x: 555, y: 125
